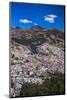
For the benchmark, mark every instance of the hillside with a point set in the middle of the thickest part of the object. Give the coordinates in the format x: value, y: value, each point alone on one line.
x: 36, y: 54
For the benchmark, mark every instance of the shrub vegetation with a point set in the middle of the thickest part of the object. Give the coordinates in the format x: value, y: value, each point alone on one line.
x: 53, y: 86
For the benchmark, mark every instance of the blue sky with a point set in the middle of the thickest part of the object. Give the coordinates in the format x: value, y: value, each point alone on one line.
x: 26, y: 15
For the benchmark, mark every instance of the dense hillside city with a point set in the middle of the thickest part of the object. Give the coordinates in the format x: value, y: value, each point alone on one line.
x: 37, y: 61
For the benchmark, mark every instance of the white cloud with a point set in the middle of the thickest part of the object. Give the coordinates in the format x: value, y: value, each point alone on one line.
x: 53, y: 16
x: 25, y: 21
x: 50, y: 18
